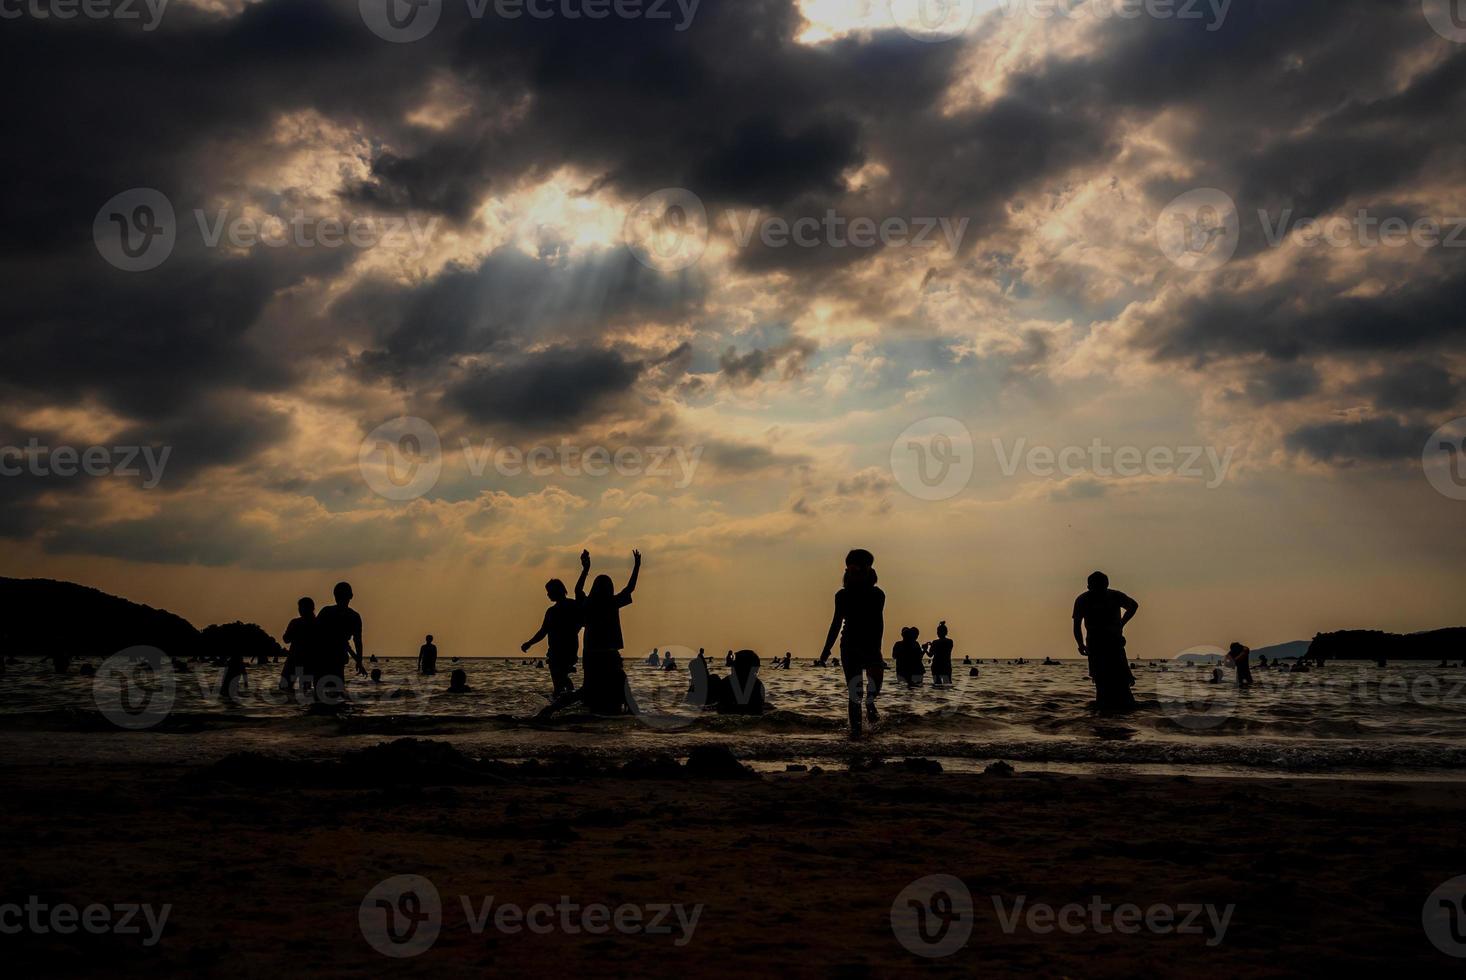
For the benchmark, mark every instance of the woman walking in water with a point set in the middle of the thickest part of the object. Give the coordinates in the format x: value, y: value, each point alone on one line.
x: 859, y: 621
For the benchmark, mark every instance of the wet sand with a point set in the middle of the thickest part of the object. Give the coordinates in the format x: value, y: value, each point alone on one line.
x: 266, y: 865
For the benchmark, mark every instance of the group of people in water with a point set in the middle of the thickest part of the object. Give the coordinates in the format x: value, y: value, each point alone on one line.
x: 322, y: 644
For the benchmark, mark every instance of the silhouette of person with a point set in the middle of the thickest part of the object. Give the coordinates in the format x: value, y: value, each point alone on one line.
x: 561, y: 626
x: 235, y: 677
x: 340, y: 635
x: 788, y: 659
x: 653, y: 660
x: 859, y: 622
x: 1100, y: 616
x: 741, y: 692
x: 907, y: 655
x: 728, y: 660
x: 668, y: 662
x: 300, y: 644
x: 700, y: 682
x: 458, y: 682
x: 941, y: 651
x: 427, y: 657
x: 603, y: 688
x: 1238, y: 655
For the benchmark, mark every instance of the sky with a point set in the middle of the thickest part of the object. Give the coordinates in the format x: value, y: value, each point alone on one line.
x: 431, y: 298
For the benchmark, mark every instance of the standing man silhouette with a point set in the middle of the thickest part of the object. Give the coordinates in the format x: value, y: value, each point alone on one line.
x: 340, y: 636
x: 427, y: 658
x: 1102, y: 612
x: 561, y: 626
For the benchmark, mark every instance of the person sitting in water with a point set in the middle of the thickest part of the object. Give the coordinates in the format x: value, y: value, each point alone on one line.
x: 907, y: 654
x: 458, y: 682
x: 1216, y: 675
x: 667, y: 662
x: 376, y: 675
x: 788, y: 659
x: 653, y: 659
x: 1237, y: 656
x: 941, y: 651
x: 973, y: 672
x: 741, y: 692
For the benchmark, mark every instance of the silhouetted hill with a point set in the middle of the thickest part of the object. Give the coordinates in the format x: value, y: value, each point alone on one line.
x: 1446, y: 644
x: 1283, y: 651
x: 40, y: 617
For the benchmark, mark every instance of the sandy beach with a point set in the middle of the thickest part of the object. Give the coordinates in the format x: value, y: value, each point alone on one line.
x: 266, y: 864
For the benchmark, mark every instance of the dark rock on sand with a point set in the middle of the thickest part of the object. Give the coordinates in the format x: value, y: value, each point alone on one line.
x: 716, y: 762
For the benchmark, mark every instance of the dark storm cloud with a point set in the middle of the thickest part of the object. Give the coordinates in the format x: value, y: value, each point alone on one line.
x: 744, y: 458
x: 1295, y: 318
x: 512, y: 298
x: 1281, y: 383
x: 789, y: 358
x: 1369, y: 440
x: 1413, y: 386
x: 1305, y: 104
x: 559, y: 386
